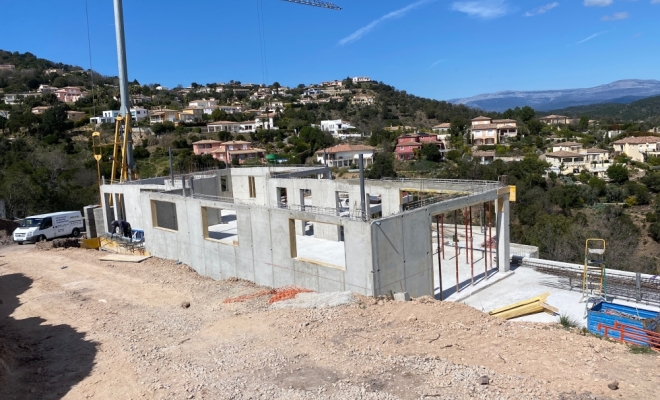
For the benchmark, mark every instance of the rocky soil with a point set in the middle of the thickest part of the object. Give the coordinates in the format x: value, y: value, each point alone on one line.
x: 75, y: 327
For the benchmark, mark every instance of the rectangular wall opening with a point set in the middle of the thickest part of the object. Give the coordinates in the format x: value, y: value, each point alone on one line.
x: 220, y: 225
x: 343, y: 201
x: 224, y: 186
x: 282, y: 199
x: 163, y: 215
x: 313, y: 248
x: 253, y: 187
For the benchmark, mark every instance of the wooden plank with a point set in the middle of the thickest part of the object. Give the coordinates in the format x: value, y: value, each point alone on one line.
x: 124, y: 258
x: 540, y: 298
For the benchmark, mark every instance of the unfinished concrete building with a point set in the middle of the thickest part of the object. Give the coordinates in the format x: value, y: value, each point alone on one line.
x: 280, y: 226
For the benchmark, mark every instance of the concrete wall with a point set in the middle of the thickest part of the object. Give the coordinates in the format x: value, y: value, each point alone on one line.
x: 263, y: 253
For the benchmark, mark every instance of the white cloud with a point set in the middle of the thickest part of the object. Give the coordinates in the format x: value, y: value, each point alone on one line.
x: 357, y: 35
x: 485, y: 9
x: 542, y: 10
x: 616, y: 16
x: 591, y: 37
x: 597, y: 3
x: 437, y: 62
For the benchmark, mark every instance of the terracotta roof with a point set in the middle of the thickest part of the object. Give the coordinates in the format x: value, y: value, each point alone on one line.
x: 638, y: 140
x: 483, y: 126
x: 483, y: 153
x: 440, y: 126
x: 502, y: 121
x: 482, y: 118
x: 224, y: 123
x: 235, y: 142
x: 340, y: 148
x: 596, y: 151
x: 567, y: 144
x: 248, y: 151
x: 208, y: 141
x: 563, y: 154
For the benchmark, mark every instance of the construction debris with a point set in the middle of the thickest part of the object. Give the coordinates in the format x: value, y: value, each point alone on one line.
x: 526, y: 307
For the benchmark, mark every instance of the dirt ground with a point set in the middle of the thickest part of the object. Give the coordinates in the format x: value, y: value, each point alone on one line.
x: 74, y: 327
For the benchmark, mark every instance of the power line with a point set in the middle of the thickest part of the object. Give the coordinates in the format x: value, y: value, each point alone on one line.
x: 91, y: 67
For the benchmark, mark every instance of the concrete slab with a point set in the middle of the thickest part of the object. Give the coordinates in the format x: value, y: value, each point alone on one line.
x: 526, y: 283
x: 124, y: 258
x: 321, y: 251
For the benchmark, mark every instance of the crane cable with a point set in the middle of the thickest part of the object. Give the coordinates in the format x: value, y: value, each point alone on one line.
x: 91, y: 67
x: 262, y: 41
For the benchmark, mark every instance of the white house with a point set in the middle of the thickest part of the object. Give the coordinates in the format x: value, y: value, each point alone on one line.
x: 360, y: 79
x: 336, y: 126
x: 442, y: 128
x: 139, y: 113
x: 486, y: 131
x: 203, y: 103
x: 241, y: 127
x: 344, y: 155
x: 638, y: 147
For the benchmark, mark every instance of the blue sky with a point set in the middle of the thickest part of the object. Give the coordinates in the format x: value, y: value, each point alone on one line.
x: 440, y: 49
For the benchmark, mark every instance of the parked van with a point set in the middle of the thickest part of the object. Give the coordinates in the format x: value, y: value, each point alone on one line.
x: 49, y: 226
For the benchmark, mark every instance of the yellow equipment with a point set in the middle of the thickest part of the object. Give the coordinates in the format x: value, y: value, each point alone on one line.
x: 526, y: 307
x: 593, y: 277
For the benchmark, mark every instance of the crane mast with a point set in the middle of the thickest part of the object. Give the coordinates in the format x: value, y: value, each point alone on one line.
x: 123, y: 134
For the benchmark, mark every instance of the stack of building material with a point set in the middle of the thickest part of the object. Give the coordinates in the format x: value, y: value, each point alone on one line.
x: 526, y: 307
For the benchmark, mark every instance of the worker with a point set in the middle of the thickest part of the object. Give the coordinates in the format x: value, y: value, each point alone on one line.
x: 124, y: 228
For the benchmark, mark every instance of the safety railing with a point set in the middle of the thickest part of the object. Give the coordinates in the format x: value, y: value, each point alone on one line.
x: 356, y: 215
x: 631, y: 334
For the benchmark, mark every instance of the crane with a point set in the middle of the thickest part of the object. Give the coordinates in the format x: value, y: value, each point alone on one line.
x: 123, y: 142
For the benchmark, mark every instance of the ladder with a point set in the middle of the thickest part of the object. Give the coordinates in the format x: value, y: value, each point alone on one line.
x: 593, y: 277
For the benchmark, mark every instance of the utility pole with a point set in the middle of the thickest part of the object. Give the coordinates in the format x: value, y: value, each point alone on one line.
x: 124, y: 111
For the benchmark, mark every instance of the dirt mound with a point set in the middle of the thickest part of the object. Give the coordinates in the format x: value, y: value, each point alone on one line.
x: 7, y: 227
x: 58, y: 243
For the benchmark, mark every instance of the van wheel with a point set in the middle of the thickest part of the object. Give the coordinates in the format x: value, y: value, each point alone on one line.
x: 75, y: 232
x: 43, y: 238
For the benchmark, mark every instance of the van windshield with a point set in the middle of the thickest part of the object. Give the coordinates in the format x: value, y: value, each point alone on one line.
x: 31, y: 222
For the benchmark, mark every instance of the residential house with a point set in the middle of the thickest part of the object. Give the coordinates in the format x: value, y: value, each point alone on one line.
x: 205, y: 146
x: 336, y: 126
x: 75, y: 115
x: 638, y: 147
x: 54, y: 71
x: 360, y: 79
x: 139, y: 113
x: 344, y: 155
x: 486, y: 131
x: 363, y: 99
x: 442, y: 128
x: 237, y: 150
x: 40, y: 110
x: 69, y: 94
x: 7, y: 67
x: 556, y: 120
x: 567, y: 146
x: 240, y: 127
x: 408, y: 145
x: 47, y: 89
x: 140, y: 99
x: 567, y: 162
x: 191, y: 114
x: 484, y: 157
x: 163, y: 115
x: 16, y: 98
x: 203, y: 103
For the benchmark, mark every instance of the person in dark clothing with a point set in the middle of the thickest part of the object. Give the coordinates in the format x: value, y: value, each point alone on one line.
x: 124, y: 228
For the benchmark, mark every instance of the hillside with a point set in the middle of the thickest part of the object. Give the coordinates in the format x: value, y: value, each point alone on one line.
x: 623, y: 91
x: 637, y: 110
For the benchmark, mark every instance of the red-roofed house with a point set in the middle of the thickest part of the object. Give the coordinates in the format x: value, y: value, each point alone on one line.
x: 237, y: 150
x: 638, y: 147
x: 408, y: 145
x: 343, y: 155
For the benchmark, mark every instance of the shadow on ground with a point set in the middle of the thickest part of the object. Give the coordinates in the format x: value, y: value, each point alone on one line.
x: 38, y: 361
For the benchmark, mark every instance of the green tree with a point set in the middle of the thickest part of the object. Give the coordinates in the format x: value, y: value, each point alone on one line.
x: 429, y: 152
x: 618, y: 173
x: 383, y: 167
x: 527, y: 113
x: 583, y: 125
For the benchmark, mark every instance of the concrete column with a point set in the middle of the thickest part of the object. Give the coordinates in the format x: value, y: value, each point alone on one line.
x: 503, y: 239
x: 115, y: 203
x: 300, y: 225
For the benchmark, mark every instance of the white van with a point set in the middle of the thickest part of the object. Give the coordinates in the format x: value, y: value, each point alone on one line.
x: 49, y: 226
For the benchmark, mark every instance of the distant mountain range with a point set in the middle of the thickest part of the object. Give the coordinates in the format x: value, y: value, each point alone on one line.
x: 622, y: 92
x: 645, y: 109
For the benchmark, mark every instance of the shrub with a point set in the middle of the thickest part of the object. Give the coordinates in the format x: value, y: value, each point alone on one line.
x: 567, y: 321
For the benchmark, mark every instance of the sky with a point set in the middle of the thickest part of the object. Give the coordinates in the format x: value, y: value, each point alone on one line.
x: 441, y: 49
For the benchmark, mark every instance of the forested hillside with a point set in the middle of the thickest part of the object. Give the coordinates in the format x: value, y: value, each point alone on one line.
x: 645, y: 109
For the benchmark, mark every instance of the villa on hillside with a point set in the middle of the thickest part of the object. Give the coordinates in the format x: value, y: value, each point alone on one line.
x: 638, y: 147
x: 487, y: 131
x: 344, y: 155
x: 407, y: 146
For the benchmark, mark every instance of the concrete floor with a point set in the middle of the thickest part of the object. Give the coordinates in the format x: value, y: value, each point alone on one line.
x: 326, y: 252
x: 526, y: 283
x: 227, y: 232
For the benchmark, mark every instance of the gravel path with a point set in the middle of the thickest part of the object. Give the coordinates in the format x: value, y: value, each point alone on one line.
x: 74, y: 327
